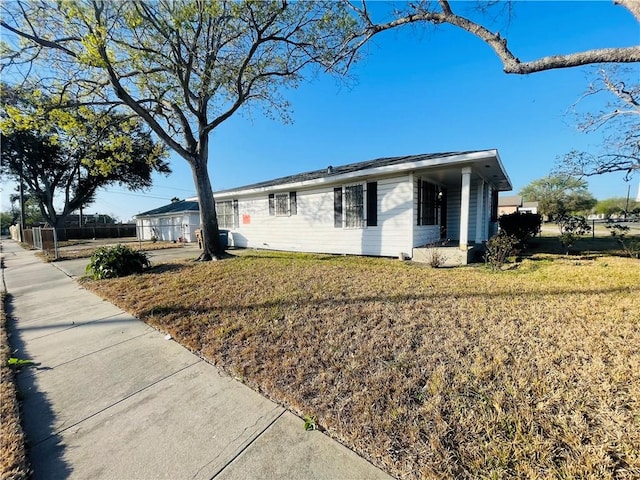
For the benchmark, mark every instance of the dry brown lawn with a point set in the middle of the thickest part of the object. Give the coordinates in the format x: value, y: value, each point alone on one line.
x: 532, y: 372
x: 81, y: 250
x: 13, y: 458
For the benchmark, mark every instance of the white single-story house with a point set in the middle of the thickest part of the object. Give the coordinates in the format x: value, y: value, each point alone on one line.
x: 382, y: 207
x: 177, y: 221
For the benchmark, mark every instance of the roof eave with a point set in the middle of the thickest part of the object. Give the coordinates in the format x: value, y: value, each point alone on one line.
x: 458, y: 159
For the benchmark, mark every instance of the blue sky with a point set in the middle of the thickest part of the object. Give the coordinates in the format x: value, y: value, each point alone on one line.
x: 419, y: 91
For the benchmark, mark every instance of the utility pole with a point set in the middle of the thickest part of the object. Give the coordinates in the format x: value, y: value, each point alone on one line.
x: 626, y: 208
x: 22, y: 215
x: 80, y: 221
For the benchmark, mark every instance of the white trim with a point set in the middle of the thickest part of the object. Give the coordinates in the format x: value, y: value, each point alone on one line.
x: 414, y: 214
x: 181, y: 212
x: 464, y: 207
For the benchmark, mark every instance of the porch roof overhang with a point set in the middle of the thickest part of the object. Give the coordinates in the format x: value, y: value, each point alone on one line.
x: 489, y: 169
x: 444, y: 168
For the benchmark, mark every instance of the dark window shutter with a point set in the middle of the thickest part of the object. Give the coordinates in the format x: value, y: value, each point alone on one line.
x: 419, y: 202
x: 494, y: 205
x: 337, y: 207
x: 236, y: 221
x: 431, y: 195
x: 372, y: 204
x: 272, y: 204
x: 293, y: 203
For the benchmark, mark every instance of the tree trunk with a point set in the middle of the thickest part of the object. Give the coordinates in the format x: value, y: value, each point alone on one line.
x: 212, y: 247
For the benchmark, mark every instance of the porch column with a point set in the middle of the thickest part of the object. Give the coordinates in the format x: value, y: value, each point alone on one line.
x: 464, y: 208
x: 480, y: 216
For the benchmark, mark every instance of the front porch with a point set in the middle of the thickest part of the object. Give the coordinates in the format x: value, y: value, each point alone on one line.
x: 456, y: 205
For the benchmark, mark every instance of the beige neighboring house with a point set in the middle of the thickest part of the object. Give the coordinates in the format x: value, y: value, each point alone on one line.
x: 509, y: 204
x: 513, y: 203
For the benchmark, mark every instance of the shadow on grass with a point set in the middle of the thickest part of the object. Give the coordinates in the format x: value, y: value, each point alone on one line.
x: 395, y: 299
x: 45, y: 447
x: 255, y: 253
x: 166, y: 268
x: 584, y: 246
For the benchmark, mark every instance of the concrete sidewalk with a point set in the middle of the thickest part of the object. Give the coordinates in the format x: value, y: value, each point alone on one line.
x: 111, y: 398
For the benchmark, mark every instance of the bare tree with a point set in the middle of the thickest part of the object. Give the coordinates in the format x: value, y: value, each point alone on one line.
x: 618, y: 122
x: 183, y: 66
x: 441, y: 12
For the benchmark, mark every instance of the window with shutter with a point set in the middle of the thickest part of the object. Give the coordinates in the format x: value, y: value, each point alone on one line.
x: 282, y: 204
x: 353, y: 206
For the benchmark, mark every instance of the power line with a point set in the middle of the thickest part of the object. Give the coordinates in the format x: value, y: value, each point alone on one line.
x: 118, y: 192
x: 173, y: 188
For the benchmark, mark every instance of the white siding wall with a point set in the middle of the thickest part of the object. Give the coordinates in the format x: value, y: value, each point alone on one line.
x: 454, y: 196
x: 312, y: 229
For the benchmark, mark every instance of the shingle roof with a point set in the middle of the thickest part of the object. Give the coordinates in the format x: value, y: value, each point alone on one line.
x: 510, y: 201
x: 342, y: 169
x: 174, y: 207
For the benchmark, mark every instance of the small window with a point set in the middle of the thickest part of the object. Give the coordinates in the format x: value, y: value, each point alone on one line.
x: 353, y: 206
x: 227, y: 213
x: 283, y: 204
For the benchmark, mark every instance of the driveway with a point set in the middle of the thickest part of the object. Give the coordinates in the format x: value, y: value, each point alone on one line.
x: 77, y: 267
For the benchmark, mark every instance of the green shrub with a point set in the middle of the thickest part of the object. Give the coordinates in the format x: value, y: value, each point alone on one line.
x: 572, y: 227
x: 118, y: 261
x: 522, y: 226
x: 630, y: 246
x: 499, y: 248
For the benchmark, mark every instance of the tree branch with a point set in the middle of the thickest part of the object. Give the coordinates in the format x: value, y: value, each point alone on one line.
x: 38, y: 40
x: 510, y: 61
